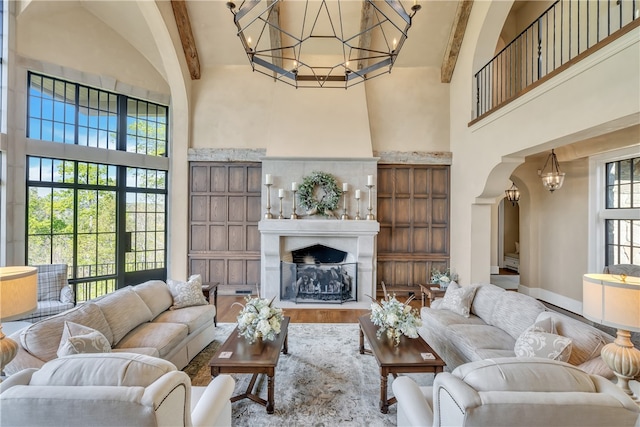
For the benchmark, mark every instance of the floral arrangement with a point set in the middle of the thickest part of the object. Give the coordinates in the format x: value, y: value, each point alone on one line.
x: 395, y: 318
x: 442, y: 278
x: 258, y: 319
x: 329, y: 200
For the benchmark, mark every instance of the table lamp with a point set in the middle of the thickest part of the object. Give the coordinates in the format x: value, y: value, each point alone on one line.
x: 614, y: 300
x: 18, y: 295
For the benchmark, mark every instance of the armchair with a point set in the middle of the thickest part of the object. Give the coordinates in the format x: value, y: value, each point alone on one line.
x: 515, y: 392
x: 112, y: 389
x: 55, y: 295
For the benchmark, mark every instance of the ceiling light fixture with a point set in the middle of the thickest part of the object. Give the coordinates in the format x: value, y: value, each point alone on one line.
x: 322, y: 43
x: 513, y: 194
x: 553, y: 179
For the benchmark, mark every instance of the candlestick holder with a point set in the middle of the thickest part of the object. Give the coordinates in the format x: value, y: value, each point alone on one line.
x: 293, y: 214
x: 280, y: 216
x: 344, y: 205
x: 370, y: 215
x: 268, y: 215
x: 357, y: 217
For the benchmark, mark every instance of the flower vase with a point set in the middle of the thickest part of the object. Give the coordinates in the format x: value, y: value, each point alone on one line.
x: 391, y: 334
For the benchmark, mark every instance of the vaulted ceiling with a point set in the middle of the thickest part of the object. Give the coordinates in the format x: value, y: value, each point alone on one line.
x: 209, y: 35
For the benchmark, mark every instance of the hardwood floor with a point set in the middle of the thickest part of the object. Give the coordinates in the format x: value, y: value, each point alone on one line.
x: 227, y: 312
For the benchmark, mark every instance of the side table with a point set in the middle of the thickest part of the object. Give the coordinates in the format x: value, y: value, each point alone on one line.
x: 431, y: 293
x: 206, y: 290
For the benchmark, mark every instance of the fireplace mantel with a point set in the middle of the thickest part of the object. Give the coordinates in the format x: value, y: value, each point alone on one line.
x: 281, y: 236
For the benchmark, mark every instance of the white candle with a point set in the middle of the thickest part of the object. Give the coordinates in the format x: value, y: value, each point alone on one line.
x: 358, y: 194
x: 369, y: 179
x: 294, y: 186
x: 345, y: 186
x: 281, y: 192
x: 268, y: 179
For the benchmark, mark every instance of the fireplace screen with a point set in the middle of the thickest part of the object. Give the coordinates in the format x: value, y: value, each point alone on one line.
x: 319, y: 283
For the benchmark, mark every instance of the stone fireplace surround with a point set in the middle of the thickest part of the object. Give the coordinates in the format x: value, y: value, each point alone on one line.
x: 279, y: 237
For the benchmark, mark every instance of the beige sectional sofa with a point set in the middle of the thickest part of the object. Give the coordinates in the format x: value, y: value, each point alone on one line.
x: 497, y: 319
x: 134, y: 319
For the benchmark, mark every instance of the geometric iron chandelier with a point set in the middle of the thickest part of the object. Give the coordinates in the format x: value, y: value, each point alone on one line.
x: 513, y: 194
x: 553, y: 179
x: 322, y: 43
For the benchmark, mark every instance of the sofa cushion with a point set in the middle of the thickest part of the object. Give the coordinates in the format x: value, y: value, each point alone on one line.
x: 194, y: 317
x: 534, y: 343
x: 587, y: 341
x: 470, y: 338
x: 81, y: 339
x: 514, y: 312
x: 458, y: 299
x: 43, y: 338
x: 187, y: 294
x: 485, y: 300
x: 163, y: 336
x: 155, y: 293
x: 124, y: 310
x: 526, y: 375
x: 597, y: 366
x: 111, y: 369
x: 51, y: 279
x: 444, y: 318
x: 492, y: 353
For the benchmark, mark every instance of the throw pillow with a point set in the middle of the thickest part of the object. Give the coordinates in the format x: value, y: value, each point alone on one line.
x: 81, y: 339
x: 67, y: 295
x: 187, y: 294
x: 458, y: 299
x: 50, y: 284
x: 543, y: 325
x: 543, y: 344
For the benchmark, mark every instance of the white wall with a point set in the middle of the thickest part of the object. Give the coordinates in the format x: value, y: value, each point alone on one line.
x: 582, y: 100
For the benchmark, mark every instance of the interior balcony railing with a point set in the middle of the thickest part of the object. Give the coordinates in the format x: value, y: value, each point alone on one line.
x: 566, y: 32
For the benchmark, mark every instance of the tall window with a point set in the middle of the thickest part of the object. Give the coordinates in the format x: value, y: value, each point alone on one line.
x: 70, y: 113
x: 622, y: 234
x: 106, y: 221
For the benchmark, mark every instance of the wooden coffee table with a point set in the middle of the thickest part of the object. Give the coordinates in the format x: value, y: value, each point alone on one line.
x: 253, y: 359
x: 405, y: 358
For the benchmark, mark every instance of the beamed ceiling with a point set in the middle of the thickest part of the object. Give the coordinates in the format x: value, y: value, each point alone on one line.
x: 209, y: 39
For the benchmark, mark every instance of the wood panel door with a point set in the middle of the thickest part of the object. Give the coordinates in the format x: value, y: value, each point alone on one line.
x: 224, y: 210
x: 413, y: 211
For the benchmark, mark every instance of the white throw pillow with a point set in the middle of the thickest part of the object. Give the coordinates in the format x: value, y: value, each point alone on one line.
x: 81, y: 339
x: 458, y: 299
x: 187, y: 294
x: 543, y: 344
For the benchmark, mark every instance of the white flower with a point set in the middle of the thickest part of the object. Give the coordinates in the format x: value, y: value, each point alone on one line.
x: 258, y: 319
x: 391, y: 319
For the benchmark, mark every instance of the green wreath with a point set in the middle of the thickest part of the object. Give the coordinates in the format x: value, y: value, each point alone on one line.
x: 307, y: 193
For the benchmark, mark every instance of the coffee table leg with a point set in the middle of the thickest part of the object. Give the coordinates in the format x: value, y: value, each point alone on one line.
x: 384, y: 404
x: 285, y: 347
x: 361, y: 341
x: 270, y: 396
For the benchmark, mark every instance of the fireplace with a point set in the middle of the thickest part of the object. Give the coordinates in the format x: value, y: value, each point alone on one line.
x: 287, y: 244
x: 318, y: 274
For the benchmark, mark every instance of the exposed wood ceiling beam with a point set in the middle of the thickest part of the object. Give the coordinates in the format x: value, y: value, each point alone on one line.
x: 455, y: 40
x: 366, y: 20
x: 186, y: 37
x: 275, y: 35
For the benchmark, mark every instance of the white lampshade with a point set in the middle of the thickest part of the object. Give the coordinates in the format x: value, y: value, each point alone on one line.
x: 612, y: 300
x: 18, y: 291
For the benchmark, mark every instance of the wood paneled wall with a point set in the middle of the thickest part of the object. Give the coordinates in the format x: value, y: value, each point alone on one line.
x: 224, y: 210
x: 413, y: 211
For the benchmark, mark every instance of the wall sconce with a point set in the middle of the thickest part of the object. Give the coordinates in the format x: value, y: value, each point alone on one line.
x: 513, y: 194
x: 553, y: 179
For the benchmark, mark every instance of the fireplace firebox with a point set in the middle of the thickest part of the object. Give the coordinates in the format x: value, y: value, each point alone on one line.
x: 318, y: 274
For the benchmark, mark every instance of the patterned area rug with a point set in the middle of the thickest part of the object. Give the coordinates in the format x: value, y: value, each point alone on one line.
x: 323, y: 381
